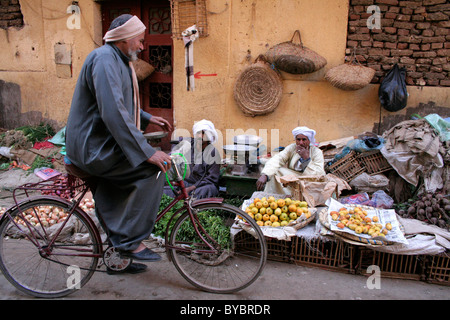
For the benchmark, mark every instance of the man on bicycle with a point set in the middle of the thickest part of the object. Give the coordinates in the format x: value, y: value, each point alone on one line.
x: 104, y: 139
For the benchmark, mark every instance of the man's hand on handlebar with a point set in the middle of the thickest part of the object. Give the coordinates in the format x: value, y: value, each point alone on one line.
x: 161, y: 159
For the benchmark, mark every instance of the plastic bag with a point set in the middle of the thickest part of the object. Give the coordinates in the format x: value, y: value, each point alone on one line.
x: 392, y: 92
x: 380, y: 199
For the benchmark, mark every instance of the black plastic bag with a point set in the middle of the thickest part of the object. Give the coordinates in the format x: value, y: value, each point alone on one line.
x: 392, y: 92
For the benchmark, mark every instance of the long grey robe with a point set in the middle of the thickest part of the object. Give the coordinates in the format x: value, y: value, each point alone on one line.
x: 102, y: 140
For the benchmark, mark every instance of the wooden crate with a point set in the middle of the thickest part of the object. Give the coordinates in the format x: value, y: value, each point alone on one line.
x: 277, y: 250
x: 346, y: 168
x: 374, y: 162
x: 335, y: 255
x: 396, y: 266
x: 438, y: 269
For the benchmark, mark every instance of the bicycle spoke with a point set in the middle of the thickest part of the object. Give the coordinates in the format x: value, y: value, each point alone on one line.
x: 222, y: 269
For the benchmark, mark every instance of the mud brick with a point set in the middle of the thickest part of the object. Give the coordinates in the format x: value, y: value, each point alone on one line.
x: 378, y: 44
x: 398, y: 52
x: 423, y: 25
x: 390, y: 15
x: 406, y: 10
x: 366, y: 43
x: 425, y: 47
x: 437, y: 45
x: 410, y: 4
x: 446, y: 67
x: 403, y: 17
x: 428, y: 33
x: 436, y: 16
x: 394, y: 9
x: 352, y: 43
x: 404, y: 25
x: 387, y: 22
x: 443, y: 52
x: 436, y: 69
x: 424, y: 54
x: 445, y: 83
x: 417, y: 18
x: 362, y: 2
x: 420, y: 10
x: 402, y: 46
x: 359, y: 37
x: 390, y: 30
x: 355, y: 17
x: 414, y: 46
x: 384, y: 37
x: 433, y: 76
x: 433, y: 39
x: 407, y: 60
x: 409, y: 39
x: 409, y: 81
x: 423, y: 61
x: 444, y: 24
x: 358, y: 9
x: 391, y: 45
x: 439, y: 7
x: 433, y: 2
x: 442, y: 32
x: 402, y: 32
x: 432, y: 82
x: 415, y: 75
x: 388, y: 2
x: 438, y: 61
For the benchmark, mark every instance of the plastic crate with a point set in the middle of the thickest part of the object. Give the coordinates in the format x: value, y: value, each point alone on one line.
x: 346, y: 168
x: 374, y: 162
x: 395, y: 266
x: 335, y: 255
x: 438, y: 269
x: 277, y: 250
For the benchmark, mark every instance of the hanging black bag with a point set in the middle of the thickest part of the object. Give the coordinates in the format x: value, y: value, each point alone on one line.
x: 392, y: 92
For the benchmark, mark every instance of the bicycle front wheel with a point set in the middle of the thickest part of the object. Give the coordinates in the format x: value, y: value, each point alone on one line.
x: 42, y: 258
x: 238, y: 254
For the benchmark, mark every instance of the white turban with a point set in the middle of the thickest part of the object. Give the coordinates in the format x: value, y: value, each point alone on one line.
x: 208, y: 127
x: 130, y: 29
x: 310, y: 133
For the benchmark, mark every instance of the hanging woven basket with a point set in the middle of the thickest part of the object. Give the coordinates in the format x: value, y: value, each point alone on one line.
x: 350, y: 75
x: 295, y: 58
x: 143, y: 69
x: 258, y: 89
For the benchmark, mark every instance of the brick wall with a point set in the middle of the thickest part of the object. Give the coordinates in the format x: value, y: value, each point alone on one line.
x: 10, y: 14
x: 415, y: 34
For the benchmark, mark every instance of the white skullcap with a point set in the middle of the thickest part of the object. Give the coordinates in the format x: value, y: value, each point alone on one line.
x: 208, y: 127
x: 310, y: 133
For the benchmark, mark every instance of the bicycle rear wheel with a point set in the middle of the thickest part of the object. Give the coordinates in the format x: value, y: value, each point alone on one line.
x: 32, y: 264
x: 238, y: 256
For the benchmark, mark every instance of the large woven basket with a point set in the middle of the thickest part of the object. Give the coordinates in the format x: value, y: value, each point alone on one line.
x: 258, y: 89
x: 143, y: 69
x: 350, y: 75
x: 295, y: 58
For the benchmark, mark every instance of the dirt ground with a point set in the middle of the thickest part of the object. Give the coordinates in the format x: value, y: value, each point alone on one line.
x: 280, y: 281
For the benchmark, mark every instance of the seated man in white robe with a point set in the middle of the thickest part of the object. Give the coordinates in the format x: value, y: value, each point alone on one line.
x: 301, y: 158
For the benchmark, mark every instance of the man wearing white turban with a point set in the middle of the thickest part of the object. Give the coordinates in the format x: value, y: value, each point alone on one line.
x: 104, y: 139
x: 301, y: 158
x: 205, y: 160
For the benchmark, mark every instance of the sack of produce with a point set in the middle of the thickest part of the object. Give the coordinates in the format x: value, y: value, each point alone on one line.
x: 295, y: 58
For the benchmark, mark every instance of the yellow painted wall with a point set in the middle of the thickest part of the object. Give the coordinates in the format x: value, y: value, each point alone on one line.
x: 28, y: 57
x: 239, y: 30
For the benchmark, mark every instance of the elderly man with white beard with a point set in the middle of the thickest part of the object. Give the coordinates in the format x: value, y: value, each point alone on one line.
x: 300, y: 158
x: 104, y: 140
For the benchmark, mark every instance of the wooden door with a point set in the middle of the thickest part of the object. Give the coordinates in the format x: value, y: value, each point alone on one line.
x: 156, y: 90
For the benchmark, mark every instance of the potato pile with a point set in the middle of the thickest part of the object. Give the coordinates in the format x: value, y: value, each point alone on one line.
x: 433, y: 208
x: 271, y: 212
x: 356, y: 219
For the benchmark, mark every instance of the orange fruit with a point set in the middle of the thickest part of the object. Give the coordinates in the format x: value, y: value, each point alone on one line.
x: 281, y: 202
x: 292, y: 208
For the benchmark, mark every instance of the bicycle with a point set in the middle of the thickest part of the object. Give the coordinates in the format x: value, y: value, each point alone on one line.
x: 50, y: 247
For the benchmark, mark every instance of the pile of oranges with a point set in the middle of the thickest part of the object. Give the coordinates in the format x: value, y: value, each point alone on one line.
x: 271, y: 212
x: 357, y: 220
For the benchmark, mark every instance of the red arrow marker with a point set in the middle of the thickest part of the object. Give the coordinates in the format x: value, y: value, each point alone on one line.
x: 198, y: 75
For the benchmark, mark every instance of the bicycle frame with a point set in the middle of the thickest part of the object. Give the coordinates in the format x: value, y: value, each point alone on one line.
x: 189, y: 206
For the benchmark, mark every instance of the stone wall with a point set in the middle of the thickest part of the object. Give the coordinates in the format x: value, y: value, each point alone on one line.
x: 415, y: 34
x: 10, y: 14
